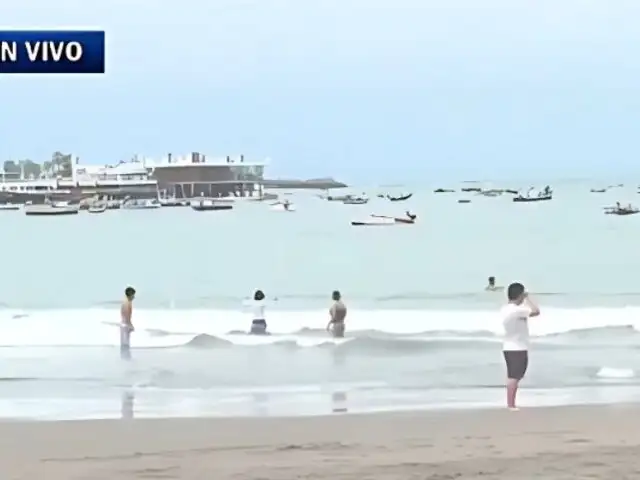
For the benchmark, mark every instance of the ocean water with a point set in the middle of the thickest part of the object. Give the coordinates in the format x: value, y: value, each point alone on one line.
x: 422, y: 332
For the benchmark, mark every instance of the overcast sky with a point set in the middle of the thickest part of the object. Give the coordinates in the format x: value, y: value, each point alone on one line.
x: 365, y: 90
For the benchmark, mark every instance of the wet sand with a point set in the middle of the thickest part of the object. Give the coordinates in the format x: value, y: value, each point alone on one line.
x: 594, y: 442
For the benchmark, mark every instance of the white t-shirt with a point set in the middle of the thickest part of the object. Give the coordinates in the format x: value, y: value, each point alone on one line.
x: 257, y: 308
x: 515, y: 324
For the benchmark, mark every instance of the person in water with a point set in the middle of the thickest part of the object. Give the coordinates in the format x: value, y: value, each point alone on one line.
x: 126, y: 326
x: 258, y: 307
x: 515, y: 348
x: 492, y: 287
x: 337, y: 315
x: 410, y: 215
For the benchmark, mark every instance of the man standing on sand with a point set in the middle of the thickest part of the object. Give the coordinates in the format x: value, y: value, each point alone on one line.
x: 126, y: 327
x: 515, y: 322
x: 337, y: 314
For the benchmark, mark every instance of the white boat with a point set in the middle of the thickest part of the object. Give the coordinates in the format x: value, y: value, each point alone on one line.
x: 141, y: 204
x: 97, y: 208
x: 50, y: 210
x: 9, y: 206
x: 173, y: 202
x: 283, y: 207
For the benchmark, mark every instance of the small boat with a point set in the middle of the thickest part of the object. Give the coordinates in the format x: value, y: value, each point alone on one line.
x: 283, y: 207
x: 443, y: 190
x: 401, y: 198
x: 173, y: 202
x: 44, y: 210
x: 355, y: 201
x: 97, y: 208
x: 491, y: 193
x: 336, y: 198
x: 464, y: 200
x: 375, y: 222
x: 209, y: 205
x: 408, y: 220
x: 141, y: 204
x: 533, y: 199
x: 622, y: 211
x: 9, y: 206
x: 512, y: 192
x: 471, y: 189
x: 598, y: 190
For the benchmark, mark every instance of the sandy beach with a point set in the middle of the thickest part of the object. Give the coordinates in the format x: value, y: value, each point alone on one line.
x: 551, y: 443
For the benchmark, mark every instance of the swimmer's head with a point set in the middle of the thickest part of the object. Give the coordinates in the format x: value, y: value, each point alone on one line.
x: 516, y: 293
x: 492, y: 281
x: 336, y: 295
x: 258, y: 295
x: 130, y: 293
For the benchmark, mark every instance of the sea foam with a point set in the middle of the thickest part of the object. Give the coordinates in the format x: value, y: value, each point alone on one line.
x: 175, y: 327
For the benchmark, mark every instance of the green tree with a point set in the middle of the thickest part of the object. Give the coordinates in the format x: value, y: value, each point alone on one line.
x: 31, y: 169
x: 62, y: 164
x: 11, y: 168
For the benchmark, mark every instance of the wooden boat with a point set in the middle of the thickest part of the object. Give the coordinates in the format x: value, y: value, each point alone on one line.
x: 97, y: 208
x: 355, y: 201
x: 512, y: 192
x: 9, y: 206
x: 408, y: 220
x: 50, y: 210
x: 471, y: 189
x: 443, y: 190
x: 598, y: 190
x: 209, y: 206
x: 401, y: 198
x: 533, y: 199
x: 463, y: 200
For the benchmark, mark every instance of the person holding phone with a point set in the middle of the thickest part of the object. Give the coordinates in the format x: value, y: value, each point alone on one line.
x: 515, y: 348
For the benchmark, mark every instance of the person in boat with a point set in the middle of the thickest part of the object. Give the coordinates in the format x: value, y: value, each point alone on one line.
x: 410, y: 215
x: 337, y: 315
x: 126, y: 326
x: 258, y: 307
x: 491, y: 285
x: 286, y: 204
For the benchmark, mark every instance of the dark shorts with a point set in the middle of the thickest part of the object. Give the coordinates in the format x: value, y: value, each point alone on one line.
x: 517, y: 362
x: 259, y: 327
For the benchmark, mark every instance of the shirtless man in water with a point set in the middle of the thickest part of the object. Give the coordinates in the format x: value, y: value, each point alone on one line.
x: 337, y: 312
x: 126, y: 327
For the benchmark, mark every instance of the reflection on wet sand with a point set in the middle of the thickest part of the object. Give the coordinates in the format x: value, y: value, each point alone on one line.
x: 339, y: 402
x: 261, y: 403
x: 127, y: 401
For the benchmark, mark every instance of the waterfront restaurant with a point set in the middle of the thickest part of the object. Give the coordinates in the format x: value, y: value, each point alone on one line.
x: 197, y: 175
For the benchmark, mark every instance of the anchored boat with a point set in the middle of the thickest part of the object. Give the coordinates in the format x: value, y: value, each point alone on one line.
x: 51, y: 209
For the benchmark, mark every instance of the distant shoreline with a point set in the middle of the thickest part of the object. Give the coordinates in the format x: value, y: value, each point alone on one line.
x: 315, y: 183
